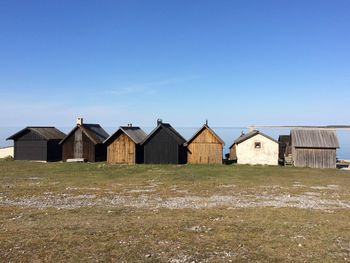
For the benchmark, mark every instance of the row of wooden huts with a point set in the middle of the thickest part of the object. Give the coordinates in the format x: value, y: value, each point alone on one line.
x: 164, y: 145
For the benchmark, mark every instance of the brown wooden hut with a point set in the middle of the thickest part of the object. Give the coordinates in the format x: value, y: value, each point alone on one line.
x: 205, y: 147
x: 85, y: 142
x: 315, y: 148
x: 123, y: 146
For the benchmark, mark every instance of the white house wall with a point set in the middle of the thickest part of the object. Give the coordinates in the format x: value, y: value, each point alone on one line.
x: 248, y: 154
x: 6, y: 151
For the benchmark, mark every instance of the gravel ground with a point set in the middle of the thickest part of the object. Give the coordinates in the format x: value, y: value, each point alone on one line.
x: 312, y: 198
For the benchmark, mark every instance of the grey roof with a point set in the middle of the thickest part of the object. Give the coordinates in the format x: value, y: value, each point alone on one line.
x: 205, y: 126
x: 136, y: 134
x: 94, y: 131
x: 249, y: 135
x: 47, y: 133
x: 170, y: 130
x: 314, y: 138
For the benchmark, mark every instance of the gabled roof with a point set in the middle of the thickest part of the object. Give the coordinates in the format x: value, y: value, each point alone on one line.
x: 94, y: 131
x: 314, y: 138
x: 170, y: 130
x: 47, y: 133
x: 136, y: 134
x: 205, y: 127
x: 249, y: 135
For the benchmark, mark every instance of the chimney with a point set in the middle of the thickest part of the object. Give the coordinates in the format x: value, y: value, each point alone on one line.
x: 159, y: 121
x: 79, y: 121
x: 206, y: 122
x: 129, y: 124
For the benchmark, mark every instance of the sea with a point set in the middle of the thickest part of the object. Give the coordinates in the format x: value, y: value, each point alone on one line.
x: 228, y: 135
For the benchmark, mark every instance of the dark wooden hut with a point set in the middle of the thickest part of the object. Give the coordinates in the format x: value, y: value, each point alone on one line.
x: 85, y: 142
x: 315, y: 148
x: 285, y: 149
x: 123, y: 146
x: 164, y: 145
x: 38, y: 144
x: 205, y: 147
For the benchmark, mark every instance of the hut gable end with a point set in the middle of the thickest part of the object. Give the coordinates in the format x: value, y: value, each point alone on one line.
x: 205, y: 135
x: 255, y: 148
x: 124, y: 146
x: 85, y: 141
x: 164, y: 145
x: 205, y: 147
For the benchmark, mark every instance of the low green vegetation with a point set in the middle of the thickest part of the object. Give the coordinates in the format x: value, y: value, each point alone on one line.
x: 66, y: 212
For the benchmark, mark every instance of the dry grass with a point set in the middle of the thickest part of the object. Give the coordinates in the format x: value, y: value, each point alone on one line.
x: 60, y: 212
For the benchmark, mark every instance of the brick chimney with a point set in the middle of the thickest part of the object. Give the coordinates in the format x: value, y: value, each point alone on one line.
x: 159, y: 121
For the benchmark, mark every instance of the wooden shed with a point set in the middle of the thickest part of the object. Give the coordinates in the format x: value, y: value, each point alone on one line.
x: 253, y: 148
x: 285, y: 149
x: 164, y: 145
x: 85, y: 141
x: 315, y: 148
x: 123, y: 146
x: 205, y: 147
x: 37, y: 144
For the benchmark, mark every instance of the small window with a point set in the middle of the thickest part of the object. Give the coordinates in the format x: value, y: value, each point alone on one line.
x: 257, y: 145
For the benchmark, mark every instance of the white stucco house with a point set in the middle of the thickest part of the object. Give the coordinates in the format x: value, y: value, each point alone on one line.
x: 6, y: 152
x: 255, y: 148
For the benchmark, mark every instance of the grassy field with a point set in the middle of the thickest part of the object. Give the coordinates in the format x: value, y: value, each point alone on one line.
x: 61, y: 212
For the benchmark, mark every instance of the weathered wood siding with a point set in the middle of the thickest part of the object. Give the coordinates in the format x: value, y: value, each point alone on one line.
x: 233, y: 153
x: 163, y: 149
x: 68, y: 148
x: 121, y: 150
x: 30, y: 146
x: 83, y: 147
x: 314, y: 158
x: 205, y: 149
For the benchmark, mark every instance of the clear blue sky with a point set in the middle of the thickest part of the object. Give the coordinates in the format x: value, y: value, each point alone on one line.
x: 232, y: 62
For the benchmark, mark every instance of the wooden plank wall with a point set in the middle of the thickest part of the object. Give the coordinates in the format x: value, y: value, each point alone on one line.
x: 88, y: 149
x: 205, y: 149
x: 314, y: 158
x: 162, y: 149
x: 68, y: 148
x: 233, y: 153
x: 121, y: 150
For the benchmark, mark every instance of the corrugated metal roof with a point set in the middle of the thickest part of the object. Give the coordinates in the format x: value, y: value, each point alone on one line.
x: 47, y: 133
x: 135, y: 133
x: 249, y: 135
x: 314, y: 138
